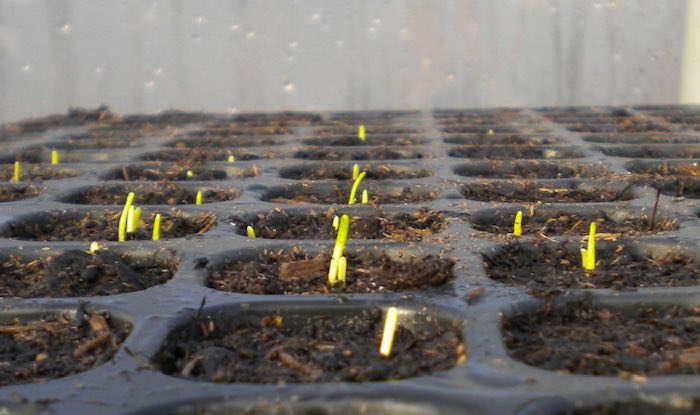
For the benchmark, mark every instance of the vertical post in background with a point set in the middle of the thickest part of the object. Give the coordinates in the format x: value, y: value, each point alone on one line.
x: 690, y: 81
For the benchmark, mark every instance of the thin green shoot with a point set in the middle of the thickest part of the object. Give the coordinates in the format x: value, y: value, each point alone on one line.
x: 250, y: 232
x: 190, y: 174
x: 338, y: 249
x: 95, y: 246
x: 156, y: 228
x: 353, y: 190
x: 124, y: 216
x: 342, y: 269
x: 355, y: 171
x: 361, y: 134
x: 16, y: 172
x: 336, y: 222
x: 518, y: 224
x: 198, y: 198
x: 55, y: 158
x: 365, y: 197
x: 588, y: 254
x: 132, y: 219
x: 390, y: 323
x: 231, y: 159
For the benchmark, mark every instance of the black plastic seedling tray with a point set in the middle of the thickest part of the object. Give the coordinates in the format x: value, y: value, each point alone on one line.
x: 489, y: 323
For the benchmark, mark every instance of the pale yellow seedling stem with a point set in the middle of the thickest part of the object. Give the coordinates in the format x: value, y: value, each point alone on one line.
x: 353, y: 190
x: 124, y: 217
x: 198, y: 198
x: 365, y: 197
x: 338, y: 249
x: 361, y: 134
x: 342, y: 269
x: 132, y: 219
x: 156, y: 228
x: 250, y: 232
x: 588, y: 254
x: 390, y: 323
x: 336, y: 222
x: 518, y: 224
x: 355, y: 171
x: 55, y: 158
x: 16, y: 172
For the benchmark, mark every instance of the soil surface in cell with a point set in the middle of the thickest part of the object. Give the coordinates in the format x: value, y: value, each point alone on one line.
x: 297, y: 272
x: 665, y: 169
x: 583, y: 338
x: 375, y: 172
x: 669, y: 406
x: 203, y: 154
x: 378, y: 153
x: 513, y: 152
x: 339, y: 195
x: 97, y: 140
x: 646, y: 138
x: 500, y: 139
x: 549, y: 267
x: 403, y: 227
x: 563, y: 223
x: 79, y: 273
x: 647, y: 152
x: 161, y: 193
x: 57, y: 346
x: 532, y: 192
x: 317, y: 348
x: 169, y: 172
x: 626, y: 125
x: 35, y: 173
x: 76, y: 226
x: 12, y: 193
x: 531, y: 169
x: 213, y: 141
x: 352, y: 140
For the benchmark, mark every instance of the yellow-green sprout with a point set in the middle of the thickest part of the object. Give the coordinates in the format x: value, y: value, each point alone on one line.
x: 95, y: 246
x: 490, y: 131
x: 231, y: 159
x: 338, y: 249
x: 518, y: 224
x: 342, y: 269
x: 55, y: 159
x: 124, y: 216
x: 365, y: 197
x: 361, y: 132
x: 16, y: 172
x: 353, y: 190
x: 336, y: 222
x: 250, y: 232
x: 132, y: 219
x: 355, y: 171
x: 156, y: 228
x: 189, y: 174
x: 390, y: 323
x: 588, y: 254
x: 198, y: 198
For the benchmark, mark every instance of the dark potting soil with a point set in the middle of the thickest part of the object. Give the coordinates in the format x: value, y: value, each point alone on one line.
x: 166, y: 172
x: 665, y: 168
x: 203, y: 154
x: 57, y: 346
x: 401, y: 227
x: 19, y: 192
x: 76, y: 273
x: 77, y: 226
x: 513, y: 152
x: 374, y: 172
x: 511, y: 192
x: 340, y: 194
x: 318, y: 348
x: 583, y: 338
x: 531, y: 169
x: 216, y: 141
x: 563, y: 223
x: 549, y: 266
x: 97, y: 140
x: 647, y: 152
x: 378, y: 153
x: 297, y: 272
x: 160, y: 193
x: 35, y: 173
x: 352, y: 140
x: 500, y: 139
x: 623, y: 124
x: 650, y: 406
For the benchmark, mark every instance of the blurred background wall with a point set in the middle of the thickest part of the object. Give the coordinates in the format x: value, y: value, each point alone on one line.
x: 246, y: 55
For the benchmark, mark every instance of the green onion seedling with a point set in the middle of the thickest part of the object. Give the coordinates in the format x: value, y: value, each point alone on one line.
x: 355, y: 171
x: 336, y: 222
x: 156, y: 228
x: 390, y: 323
x: 588, y: 255
x: 250, y: 232
x: 518, y: 224
x: 189, y: 174
x: 231, y: 159
x: 132, y: 219
x: 365, y: 197
x: 353, y: 190
x: 55, y: 159
x: 16, y: 172
x: 338, y: 249
x: 198, y: 198
x: 361, y: 134
x: 342, y: 269
x: 124, y: 216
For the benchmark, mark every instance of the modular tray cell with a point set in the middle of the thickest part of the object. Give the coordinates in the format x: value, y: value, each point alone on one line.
x: 210, y: 320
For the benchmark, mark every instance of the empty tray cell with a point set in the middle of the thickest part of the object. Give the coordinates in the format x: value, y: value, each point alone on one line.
x: 484, y: 129
x: 572, y: 191
x: 77, y: 273
x: 678, y: 151
x: 372, y: 140
x: 650, y: 404
x: 148, y: 193
x: 510, y: 139
x: 96, y: 140
x: 685, y: 187
x: 13, y: 192
x: 203, y: 155
x: 582, y: 337
x: 328, y: 171
x: 574, y: 221
x: 339, y: 194
x: 621, y: 264
x: 300, y: 271
x: 531, y: 169
x: 45, y: 346
x: 168, y: 172
x: 664, y: 168
x: 623, y: 125
x: 318, y: 224
x: 219, y: 141
x: 103, y: 226
x: 370, y: 130
x: 642, y: 138
x: 279, y: 344
x: 372, y: 153
x: 514, y: 152
x: 36, y: 173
